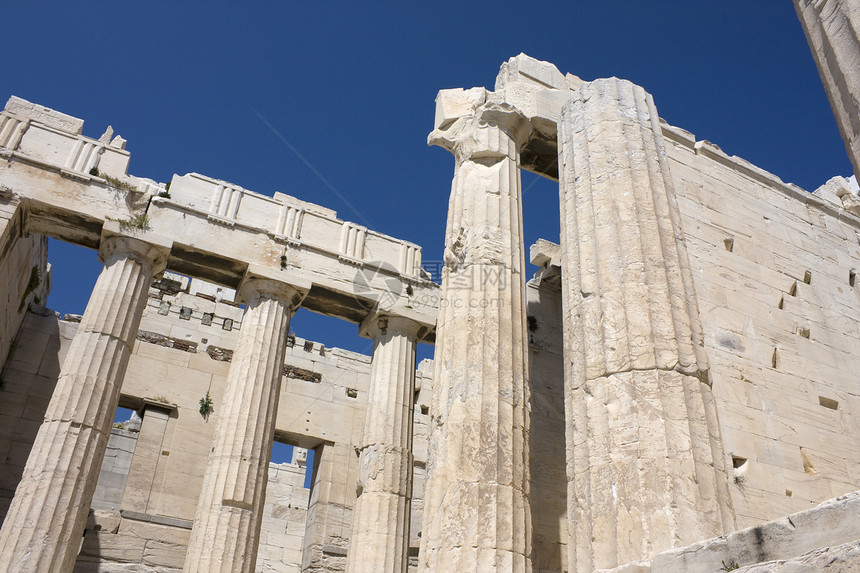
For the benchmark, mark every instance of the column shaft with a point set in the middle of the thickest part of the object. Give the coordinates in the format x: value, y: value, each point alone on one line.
x: 476, y: 510
x: 43, y: 528
x: 226, y: 529
x: 645, y: 468
x: 832, y: 29
x: 380, y: 531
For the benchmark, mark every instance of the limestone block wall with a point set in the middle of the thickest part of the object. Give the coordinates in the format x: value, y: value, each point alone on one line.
x: 26, y: 384
x: 25, y: 278
x: 420, y: 445
x: 284, y: 520
x: 774, y: 272
x: 546, y: 436
x: 115, y: 469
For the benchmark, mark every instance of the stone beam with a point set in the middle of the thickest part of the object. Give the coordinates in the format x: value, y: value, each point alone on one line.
x: 73, y: 184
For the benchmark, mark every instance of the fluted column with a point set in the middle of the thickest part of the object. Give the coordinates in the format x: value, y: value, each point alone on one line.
x: 476, y: 509
x: 43, y: 529
x: 832, y: 29
x: 226, y: 531
x: 380, y: 527
x: 645, y: 462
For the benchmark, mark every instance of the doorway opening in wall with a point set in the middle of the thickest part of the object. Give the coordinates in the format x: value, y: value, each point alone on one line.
x: 541, y: 218
x: 285, y: 453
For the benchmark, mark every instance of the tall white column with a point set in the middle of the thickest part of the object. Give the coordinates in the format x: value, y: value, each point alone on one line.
x: 832, y: 29
x: 226, y: 531
x: 44, y: 525
x: 645, y: 462
x: 476, y: 509
x: 380, y: 530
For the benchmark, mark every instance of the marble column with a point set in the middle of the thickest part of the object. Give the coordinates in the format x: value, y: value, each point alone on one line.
x: 645, y: 464
x: 226, y: 531
x: 44, y: 525
x: 476, y: 509
x: 832, y: 28
x: 380, y: 530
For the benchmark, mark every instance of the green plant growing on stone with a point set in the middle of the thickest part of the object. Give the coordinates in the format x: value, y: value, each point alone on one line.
x: 206, y: 406
x: 118, y: 426
x: 113, y: 181
x: 139, y: 221
x: 730, y: 566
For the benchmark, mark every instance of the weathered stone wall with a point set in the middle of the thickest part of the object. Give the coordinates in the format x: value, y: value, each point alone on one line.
x: 774, y: 272
x: 25, y: 278
x: 420, y: 445
x: 26, y: 385
x: 546, y: 436
x: 823, y: 538
x: 115, y: 468
x: 284, y: 520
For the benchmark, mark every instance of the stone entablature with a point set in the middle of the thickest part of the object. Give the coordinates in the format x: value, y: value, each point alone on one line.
x: 215, y: 226
x: 296, y: 223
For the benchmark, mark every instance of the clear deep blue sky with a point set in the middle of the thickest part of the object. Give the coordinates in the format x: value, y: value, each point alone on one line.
x: 351, y: 86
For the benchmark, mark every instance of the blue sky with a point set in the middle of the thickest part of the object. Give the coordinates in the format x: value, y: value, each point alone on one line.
x: 351, y: 86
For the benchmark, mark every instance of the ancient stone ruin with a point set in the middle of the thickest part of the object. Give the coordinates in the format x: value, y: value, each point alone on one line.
x: 674, y: 390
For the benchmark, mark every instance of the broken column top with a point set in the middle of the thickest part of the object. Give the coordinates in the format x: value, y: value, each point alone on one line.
x: 44, y: 115
x: 545, y: 253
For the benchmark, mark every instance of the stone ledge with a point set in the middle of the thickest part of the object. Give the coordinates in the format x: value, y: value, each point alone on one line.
x: 157, y: 519
x: 845, y: 557
x: 813, y: 531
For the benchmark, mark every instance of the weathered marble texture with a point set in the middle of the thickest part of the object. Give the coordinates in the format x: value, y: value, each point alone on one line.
x: 226, y: 528
x: 46, y: 519
x: 380, y: 530
x: 476, y: 506
x: 645, y: 463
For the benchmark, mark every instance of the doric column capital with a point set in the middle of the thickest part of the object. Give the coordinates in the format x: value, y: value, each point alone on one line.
x: 491, y: 130
x: 149, y: 249
x: 262, y: 282
x: 381, y: 323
